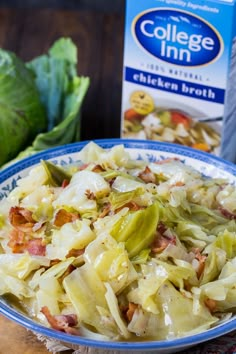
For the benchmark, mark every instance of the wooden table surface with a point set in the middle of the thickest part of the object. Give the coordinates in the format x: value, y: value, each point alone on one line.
x: 98, y: 35
x: 15, y: 339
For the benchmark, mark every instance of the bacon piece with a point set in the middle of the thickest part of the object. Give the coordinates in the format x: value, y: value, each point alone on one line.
x: 21, y: 219
x: 63, y: 217
x: 54, y: 262
x: 131, y: 205
x: 65, y: 183
x: 131, y: 310
x: 211, y: 304
x: 162, y: 240
x: 147, y: 176
x: 227, y: 214
x: 36, y: 247
x: 20, y: 242
x: 187, y: 285
x: 106, y: 210
x: 161, y: 228
x: 98, y: 168
x: 63, y: 323
x: 17, y: 241
x: 75, y: 253
x: 202, y: 260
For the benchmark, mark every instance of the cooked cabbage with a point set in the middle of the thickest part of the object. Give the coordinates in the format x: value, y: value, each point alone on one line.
x: 133, y: 250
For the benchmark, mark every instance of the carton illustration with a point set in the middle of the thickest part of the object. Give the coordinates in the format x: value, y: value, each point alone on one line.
x: 177, y: 59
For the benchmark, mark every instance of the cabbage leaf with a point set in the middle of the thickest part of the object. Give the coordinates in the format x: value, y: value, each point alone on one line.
x: 87, y: 292
x: 137, y: 229
x: 111, y: 262
x: 40, y: 101
x: 22, y: 115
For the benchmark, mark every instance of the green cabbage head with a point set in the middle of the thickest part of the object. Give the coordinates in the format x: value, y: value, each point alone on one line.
x: 22, y: 115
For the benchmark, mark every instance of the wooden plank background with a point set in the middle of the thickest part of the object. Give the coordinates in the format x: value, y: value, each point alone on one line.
x: 91, y: 5
x: 98, y: 34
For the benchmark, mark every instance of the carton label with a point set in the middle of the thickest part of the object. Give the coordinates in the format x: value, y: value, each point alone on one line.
x: 177, y: 64
x: 177, y: 37
x: 169, y: 84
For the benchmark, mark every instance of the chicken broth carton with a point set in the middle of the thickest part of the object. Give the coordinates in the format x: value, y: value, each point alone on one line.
x: 177, y: 58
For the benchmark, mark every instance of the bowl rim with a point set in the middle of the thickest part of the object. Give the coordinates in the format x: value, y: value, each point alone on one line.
x: 59, y: 151
x: 191, y: 340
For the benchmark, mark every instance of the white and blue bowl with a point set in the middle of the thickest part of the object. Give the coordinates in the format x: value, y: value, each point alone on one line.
x: 154, y: 151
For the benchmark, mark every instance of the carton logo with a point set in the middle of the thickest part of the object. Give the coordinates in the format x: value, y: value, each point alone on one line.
x: 177, y: 37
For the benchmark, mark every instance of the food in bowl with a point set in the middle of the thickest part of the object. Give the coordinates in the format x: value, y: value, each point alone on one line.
x: 171, y: 125
x: 120, y: 249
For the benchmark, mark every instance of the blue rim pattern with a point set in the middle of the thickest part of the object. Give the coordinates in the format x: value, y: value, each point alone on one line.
x: 128, y: 143
x: 182, y: 342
